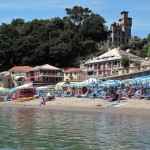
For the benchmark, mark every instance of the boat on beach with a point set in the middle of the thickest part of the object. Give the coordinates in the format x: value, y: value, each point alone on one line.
x: 25, y: 94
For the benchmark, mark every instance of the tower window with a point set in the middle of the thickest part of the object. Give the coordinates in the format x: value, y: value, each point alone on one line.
x: 127, y: 40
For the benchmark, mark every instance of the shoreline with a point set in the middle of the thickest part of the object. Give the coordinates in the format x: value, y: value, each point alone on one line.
x: 72, y: 104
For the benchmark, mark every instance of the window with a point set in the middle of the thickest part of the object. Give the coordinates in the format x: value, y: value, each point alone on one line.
x: 56, y: 79
x: 115, y: 39
x: 75, y: 73
x: 66, y: 74
x: 46, y: 79
x: 12, y: 72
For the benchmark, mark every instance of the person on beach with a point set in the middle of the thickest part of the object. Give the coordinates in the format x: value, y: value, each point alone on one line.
x: 43, y: 102
x: 130, y: 92
x: 119, y: 95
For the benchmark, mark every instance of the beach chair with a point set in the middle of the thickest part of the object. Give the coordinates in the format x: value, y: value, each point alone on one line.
x: 103, y: 95
x: 146, y: 96
x: 137, y: 95
x: 66, y: 94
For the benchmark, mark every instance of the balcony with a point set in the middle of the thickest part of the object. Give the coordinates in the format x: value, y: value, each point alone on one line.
x: 93, y: 76
x: 115, y: 66
x: 90, y: 69
x: 50, y: 75
x: 109, y: 67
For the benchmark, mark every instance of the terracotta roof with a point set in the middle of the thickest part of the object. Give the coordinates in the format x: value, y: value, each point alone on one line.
x: 73, y: 70
x: 20, y: 68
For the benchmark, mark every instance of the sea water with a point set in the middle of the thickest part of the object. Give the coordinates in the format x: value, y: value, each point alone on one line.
x: 39, y: 129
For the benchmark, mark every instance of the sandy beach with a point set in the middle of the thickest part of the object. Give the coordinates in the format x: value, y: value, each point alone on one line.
x: 128, y: 106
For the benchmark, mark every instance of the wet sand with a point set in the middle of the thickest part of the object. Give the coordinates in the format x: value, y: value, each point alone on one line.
x: 130, y: 106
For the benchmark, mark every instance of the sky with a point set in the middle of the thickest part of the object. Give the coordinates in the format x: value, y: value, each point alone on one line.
x: 109, y: 9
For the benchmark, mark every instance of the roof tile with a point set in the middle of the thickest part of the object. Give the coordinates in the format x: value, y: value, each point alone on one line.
x: 20, y: 68
x: 73, y: 70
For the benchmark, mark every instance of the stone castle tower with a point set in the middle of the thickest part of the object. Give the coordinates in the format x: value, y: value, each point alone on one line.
x: 120, y: 33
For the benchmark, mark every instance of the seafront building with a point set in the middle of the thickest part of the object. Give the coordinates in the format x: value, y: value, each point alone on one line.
x: 74, y: 74
x: 44, y: 75
x: 120, y: 33
x: 18, y: 75
x: 108, y: 64
x: 5, y: 79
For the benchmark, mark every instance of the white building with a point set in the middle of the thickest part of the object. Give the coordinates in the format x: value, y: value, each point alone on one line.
x: 109, y: 64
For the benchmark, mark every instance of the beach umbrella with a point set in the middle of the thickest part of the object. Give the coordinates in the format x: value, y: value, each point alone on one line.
x: 41, y: 88
x: 25, y: 86
x: 4, y: 89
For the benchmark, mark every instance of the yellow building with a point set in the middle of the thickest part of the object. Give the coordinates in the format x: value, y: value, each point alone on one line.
x: 74, y: 74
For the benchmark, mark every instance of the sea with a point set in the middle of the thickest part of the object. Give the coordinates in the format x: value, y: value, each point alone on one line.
x: 43, y: 129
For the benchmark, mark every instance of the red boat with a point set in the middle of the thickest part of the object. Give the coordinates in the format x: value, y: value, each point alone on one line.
x: 24, y: 94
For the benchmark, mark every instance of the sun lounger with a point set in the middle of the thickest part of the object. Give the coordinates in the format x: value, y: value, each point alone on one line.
x: 66, y: 94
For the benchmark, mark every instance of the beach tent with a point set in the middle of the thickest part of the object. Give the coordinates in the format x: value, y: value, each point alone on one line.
x: 58, y: 86
x: 22, y: 86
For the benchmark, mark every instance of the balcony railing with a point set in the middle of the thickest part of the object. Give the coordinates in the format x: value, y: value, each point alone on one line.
x: 115, y: 66
x: 50, y: 74
x: 93, y: 76
x: 108, y: 67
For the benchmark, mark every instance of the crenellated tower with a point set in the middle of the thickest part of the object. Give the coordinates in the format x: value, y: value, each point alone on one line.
x: 120, y: 33
x: 125, y: 24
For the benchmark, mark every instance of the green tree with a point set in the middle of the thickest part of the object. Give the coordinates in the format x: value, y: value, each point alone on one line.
x: 137, y: 64
x: 77, y: 15
x: 125, y: 61
x: 93, y: 27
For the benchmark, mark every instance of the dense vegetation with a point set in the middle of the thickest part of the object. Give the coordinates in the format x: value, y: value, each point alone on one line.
x: 59, y: 42
x: 140, y: 47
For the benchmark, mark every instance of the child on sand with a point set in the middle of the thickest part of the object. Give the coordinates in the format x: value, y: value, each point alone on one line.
x: 43, y: 102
